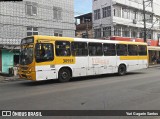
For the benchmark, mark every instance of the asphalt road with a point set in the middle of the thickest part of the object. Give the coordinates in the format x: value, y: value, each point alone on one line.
x: 139, y: 90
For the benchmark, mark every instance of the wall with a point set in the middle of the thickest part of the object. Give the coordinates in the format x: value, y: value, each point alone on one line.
x: 7, y: 60
x: 13, y: 18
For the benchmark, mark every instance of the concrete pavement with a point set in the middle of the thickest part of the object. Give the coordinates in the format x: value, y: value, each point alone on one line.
x: 136, y: 91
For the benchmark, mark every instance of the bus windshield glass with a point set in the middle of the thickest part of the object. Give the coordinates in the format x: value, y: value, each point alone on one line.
x: 26, y: 55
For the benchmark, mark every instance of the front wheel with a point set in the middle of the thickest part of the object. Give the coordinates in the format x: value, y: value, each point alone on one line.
x: 64, y: 75
x: 122, y: 70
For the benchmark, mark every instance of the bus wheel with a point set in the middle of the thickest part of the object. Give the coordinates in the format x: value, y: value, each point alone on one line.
x: 64, y: 75
x: 122, y: 70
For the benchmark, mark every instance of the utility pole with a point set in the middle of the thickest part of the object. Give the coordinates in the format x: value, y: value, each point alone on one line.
x: 144, y: 20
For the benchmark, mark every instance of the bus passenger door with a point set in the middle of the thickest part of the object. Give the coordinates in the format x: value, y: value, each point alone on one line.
x: 95, y: 60
x: 91, y: 65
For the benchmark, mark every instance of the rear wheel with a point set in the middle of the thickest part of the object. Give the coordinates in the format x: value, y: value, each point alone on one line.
x: 64, y: 75
x: 122, y: 70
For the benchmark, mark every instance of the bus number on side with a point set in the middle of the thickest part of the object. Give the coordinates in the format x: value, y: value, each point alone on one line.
x: 68, y: 60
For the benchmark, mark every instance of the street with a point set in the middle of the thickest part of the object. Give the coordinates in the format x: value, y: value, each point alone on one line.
x: 138, y: 90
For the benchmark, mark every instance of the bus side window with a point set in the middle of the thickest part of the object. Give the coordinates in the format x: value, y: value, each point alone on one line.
x: 109, y: 49
x: 95, y: 49
x: 121, y: 50
x: 79, y: 49
x: 63, y: 48
x: 142, y: 50
x: 44, y: 52
x: 132, y: 50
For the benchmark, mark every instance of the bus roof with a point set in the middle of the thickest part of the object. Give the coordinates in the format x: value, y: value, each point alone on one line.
x: 85, y: 40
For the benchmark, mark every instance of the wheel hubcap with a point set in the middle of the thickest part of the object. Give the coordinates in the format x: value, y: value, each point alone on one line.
x: 64, y: 75
x: 122, y: 70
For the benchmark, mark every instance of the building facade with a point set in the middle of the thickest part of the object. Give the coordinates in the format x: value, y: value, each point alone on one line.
x: 84, y: 26
x: 32, y: 17
x: 125, y: 18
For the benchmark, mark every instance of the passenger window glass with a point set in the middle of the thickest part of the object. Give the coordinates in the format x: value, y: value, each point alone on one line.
x: 44, y: 52
x: 95, y: 49
x: 132, y: 50
x: 142, y: 50
x: 79, y: 49
x: 109, y: 49
x: 121, y: 49
x: 63, y: 48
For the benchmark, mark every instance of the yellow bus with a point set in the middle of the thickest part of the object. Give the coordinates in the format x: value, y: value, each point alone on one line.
x: 49, y: 57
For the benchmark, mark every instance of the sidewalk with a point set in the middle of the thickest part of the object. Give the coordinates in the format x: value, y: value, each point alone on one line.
x: 8, y: 78
x: 154, y: 65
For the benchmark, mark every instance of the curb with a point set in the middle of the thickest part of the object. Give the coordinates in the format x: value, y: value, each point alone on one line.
x: 153, y: 66
x: 4, y: 78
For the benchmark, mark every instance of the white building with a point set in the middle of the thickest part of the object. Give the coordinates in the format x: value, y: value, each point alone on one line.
x: 32, y: 17
x: 125, y: 18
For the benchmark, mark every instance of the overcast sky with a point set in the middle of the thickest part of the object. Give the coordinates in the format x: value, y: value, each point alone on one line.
x: 82, y: 6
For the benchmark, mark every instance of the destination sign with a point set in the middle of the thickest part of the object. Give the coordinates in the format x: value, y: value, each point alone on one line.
x: 27, y: 40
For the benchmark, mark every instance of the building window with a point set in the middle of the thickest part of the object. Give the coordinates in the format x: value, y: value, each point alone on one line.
x: 158, y: 36
x: 106, y: 11
x: 97, y: 14
x: 58, y: 33
x: 134, y: 14
x: 125, y: 32
x: 141, y: 17
x: 32, y: 31
x: 106, y: 31
x: 117, y: 12
x: 117, y: 31
x: 149, y: 36
x: 148, y: 18
x: 31, y: 8
x: 57, y: 13
x: 97, y: 33
x: 125, y: 13
x: 141, y: 34
x: 133, y: 33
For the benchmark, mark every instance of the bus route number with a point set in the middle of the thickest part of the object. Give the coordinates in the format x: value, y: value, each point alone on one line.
x: 68, y: 60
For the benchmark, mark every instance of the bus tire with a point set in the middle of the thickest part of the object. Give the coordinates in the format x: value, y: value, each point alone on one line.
x: 122, y: 70
x: 64, y: 75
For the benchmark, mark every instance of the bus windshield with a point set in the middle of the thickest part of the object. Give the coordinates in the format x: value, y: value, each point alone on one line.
x: 26, y: 55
